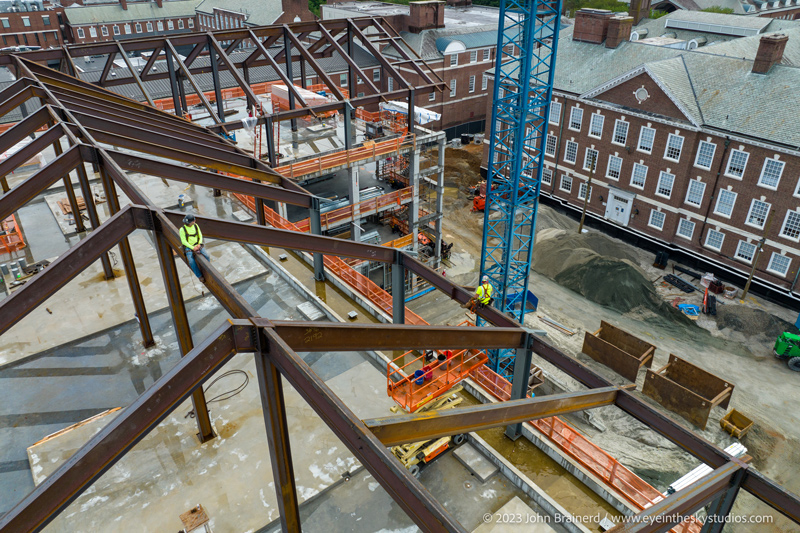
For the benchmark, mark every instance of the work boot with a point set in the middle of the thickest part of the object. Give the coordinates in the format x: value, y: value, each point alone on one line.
x: 202, y: 279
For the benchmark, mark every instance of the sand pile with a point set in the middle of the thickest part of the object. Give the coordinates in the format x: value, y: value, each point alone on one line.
x: 752, y: 322
x: 598, y: 268
x: 462, y: 166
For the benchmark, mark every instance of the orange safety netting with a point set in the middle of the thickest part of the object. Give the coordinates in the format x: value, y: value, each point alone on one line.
x: 566, y: 438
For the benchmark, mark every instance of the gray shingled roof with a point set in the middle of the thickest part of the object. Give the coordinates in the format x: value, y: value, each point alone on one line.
x: 260, y: 12
x: 735, y: 21
x: 136, y: 11
x: 746, y: 47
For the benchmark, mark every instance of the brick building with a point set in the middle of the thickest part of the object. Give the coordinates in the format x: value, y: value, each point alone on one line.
x: 456, y: 39
x: 780, y: 9
x: 129, y: 20
x: 228, y: 14
x: 31, y: 28
x: 694, y: 146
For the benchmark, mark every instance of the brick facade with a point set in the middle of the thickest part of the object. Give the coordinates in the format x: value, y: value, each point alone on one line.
x: 32, y: 28
x: 95, y: 33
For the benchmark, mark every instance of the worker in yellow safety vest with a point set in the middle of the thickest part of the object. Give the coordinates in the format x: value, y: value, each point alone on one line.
x: 192, y: 240
x: 483, y: 295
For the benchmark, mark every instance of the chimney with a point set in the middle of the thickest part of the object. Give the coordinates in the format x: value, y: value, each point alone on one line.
x: 770, y: 51
x: 124, y: 4
x: 591, y: 25
x: 619, y: 29
x: 426, y: 15
x: 160, y: 3
x: 640, y: 9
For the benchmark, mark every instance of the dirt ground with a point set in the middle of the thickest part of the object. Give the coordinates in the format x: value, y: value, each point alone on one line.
x: 581, y: 279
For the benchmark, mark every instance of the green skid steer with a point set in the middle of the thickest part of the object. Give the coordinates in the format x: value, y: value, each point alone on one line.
x: 787, y: 347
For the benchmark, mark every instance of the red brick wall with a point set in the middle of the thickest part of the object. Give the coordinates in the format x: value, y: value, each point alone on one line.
x: 87, y: 38
x: 657, y: 102
x: 37, y: 34
x: 293, y: 9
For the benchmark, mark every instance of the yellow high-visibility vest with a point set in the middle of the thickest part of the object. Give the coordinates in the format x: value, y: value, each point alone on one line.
x: 484, y: 293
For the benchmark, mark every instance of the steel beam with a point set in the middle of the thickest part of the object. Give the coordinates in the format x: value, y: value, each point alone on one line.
x: 313, y: 62
x: 720, y: 508
x: 351, y: 62
x: 398, y: 289
x: 195, y: 86
x: 315, y: 227
x: 61, y: 271
x: 415, y: 427
x: 51, y: 136
x: 345, y: 337
x: 68, y: 188
x: 212, y: 57
x: 108, y: 446
x: 251, y: 97
x: 23, y: 128
x: 405, y: 490
x: 173, y: 84
x: 680, y: 505
x: 519, y: 386
x: 769, y: 492
x: 281, y: 74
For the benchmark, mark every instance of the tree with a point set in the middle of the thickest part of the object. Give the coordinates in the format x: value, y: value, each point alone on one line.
x: 718, y: 9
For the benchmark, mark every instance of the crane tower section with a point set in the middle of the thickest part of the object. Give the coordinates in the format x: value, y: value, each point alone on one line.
x: 523, y: 86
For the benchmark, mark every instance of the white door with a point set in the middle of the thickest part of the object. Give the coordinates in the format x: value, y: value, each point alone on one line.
x: 618, y: 208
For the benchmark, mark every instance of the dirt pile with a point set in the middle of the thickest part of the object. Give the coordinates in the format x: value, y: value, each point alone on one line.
x: 598, y: 268
x: 752, y: 322
x: 462, y: 166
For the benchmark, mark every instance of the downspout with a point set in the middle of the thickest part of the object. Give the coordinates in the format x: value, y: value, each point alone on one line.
x: 560, y: 143
x: 714, y: 190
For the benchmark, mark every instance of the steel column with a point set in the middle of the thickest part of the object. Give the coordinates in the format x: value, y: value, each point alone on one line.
x: 398, y: 290
x: 183, y: 331
x: 212, y: 56
x: 287, y: 48
x: 721, y: 507
x: 91, y: 210
x: 519, y: 387
x: 73, y: 200
x: 316, y: 229
x: 173, y: 84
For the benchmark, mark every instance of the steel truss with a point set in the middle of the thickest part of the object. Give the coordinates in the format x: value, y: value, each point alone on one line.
x: 118, y: 134
x: 524, y: 69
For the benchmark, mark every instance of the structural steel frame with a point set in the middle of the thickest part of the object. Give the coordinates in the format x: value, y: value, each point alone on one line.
x: 108, y: 131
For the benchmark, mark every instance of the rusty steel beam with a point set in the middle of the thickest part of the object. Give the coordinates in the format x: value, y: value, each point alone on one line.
x: 17, y: 100
x: 281, y: 74
x: 65, y: 268
x: 680, y: 505
x: 50, y: 136
x: 774, y: 495
x: 193, y: 83
x: 313, y: 62
x: 134, y: 74
x: 24, y: 128
x: 231, y: 66
x: 343, y: 337
x: 413, y: 427
x: 405, y: 490
x: 103, y: 450
x: 353, y: 65
x: 253, y: 234
x: 367, y: 44
x: 207, y: 179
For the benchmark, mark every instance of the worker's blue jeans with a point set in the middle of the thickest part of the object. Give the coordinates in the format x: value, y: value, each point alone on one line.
x: 193, y: 263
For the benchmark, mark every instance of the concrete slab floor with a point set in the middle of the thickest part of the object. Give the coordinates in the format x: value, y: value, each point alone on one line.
x: 362, y: 505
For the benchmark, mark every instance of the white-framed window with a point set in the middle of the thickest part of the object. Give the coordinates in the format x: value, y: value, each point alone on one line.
x: 665, y: 183
x: 46, y: 20
x: 757, y: 216
x: 705, y: 155
x: 116, y: 30
x: 432, y: 96
x: 550, y: 145
x: 160, y: 25
x: 484, y: 82
x: 191, y: 23
x: 714, y: 239
x: 566, y: 183
x: 26, y: 21
x: 453, y: 60
x: 92, y: 31
x: 737, y: 162
x: 614, y: 168
x: 745, y: 251
x: 779, y: 264
x: 452, y: 88
x: 138, y: 28
x: 791, y: 226
x: 487, y: 54
x: 390, y: 84
x: 771, y: 173
x: 674, y: 147
x: 685, y: 228
x: 639, y: 175
x: 170, y: 25
x: 725, y: 202
x: 149, y: 27
x: 104, y: 31
x: 6, y: 24
x: 620, y: 132
x: 343, y: 79
x: 473, y: 56
x: 180, y: 24
x: 555, y: 113
x: 647, y: 136
x: 582, y: 191
x: 596, y: 125
x: 472, y: 84
x: 127, y: 29
x: 571, y: 152
x: 361, y: 95
x: 695, y: 192
x: 589, y: 158
x: 81, y: 35
x: 547, y: 176
x: 376, y: 75
x: 575, y: 118
x: 657, y: 219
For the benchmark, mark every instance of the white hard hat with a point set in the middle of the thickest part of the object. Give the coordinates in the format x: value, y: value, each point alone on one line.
x: 485, y: 278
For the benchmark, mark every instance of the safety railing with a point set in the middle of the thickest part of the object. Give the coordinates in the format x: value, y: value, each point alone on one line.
x: 566, y: 438
x: 11, y: 240
x: 367, y: 150
x: 402, y: 242
x: 370, y: 206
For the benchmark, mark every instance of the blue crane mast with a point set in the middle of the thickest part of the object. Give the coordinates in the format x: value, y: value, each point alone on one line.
x: 523, y: 86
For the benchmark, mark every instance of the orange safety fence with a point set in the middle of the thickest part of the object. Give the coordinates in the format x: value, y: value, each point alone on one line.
x: 566, y: 438
x: 11, y: 240
x: 401, y: 242
x: 337, y: 266
x: 367, y: 207
x: 368, y: 150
